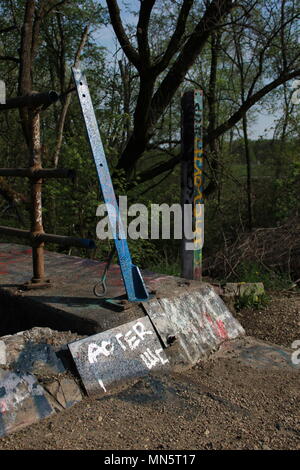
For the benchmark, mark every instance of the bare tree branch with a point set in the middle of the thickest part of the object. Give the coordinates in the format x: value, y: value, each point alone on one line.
x: 192, y: 48
x: 12, y: 59
x: 142, y: 32
x: 176, y: 38
x: 7, y: 30
x: 158, y: 169
x: 250, y: 101
x: 67, y: 101
x: 123, y: 39
x: 150, y: 107
x: 25, y: 71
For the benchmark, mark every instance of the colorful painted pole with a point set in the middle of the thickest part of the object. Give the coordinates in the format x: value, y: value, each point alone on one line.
x: 192, y: 184
x: 2, y: 92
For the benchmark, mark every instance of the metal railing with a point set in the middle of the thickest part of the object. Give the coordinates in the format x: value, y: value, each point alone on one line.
x: 37, y: 102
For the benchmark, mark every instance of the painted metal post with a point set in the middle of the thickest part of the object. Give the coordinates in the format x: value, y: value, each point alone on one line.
x: 198, y: 183
x: 2, y: 92
x: 133, y: 280
x: 192, y: 184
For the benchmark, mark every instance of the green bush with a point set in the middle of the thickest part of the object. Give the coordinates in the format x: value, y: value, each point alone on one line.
x: 252, y: 300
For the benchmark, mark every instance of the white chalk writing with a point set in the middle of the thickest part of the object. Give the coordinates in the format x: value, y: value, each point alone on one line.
x: 94, y: 350
x: 131, y: 339
x: 151, y: 359
x: 134, y: 339
x: 102, y: 385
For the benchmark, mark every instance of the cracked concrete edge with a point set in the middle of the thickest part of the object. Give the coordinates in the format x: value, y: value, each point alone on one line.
x: 25, y: 400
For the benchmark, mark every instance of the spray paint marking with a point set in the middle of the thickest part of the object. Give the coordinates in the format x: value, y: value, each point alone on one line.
x: 218, y: 327
x: 3, y: 407
x: 130, y: 340
x: 102, y: 385
x: 198, y: 184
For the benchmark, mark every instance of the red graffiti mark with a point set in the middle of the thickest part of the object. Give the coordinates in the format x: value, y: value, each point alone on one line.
x: 197, y: 273
x: 218, y: 327
x: 13, y: 254
x: 5, y: 270
x: 13, y: 258
x: 3, y: 407
x: 115, y: 282
x: 222, y: 330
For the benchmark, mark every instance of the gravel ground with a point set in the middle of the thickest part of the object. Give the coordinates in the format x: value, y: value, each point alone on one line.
x: 219, y: 404
x: 279, y: 323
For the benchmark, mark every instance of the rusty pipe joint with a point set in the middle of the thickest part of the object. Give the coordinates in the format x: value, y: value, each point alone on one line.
x: 35, y: 238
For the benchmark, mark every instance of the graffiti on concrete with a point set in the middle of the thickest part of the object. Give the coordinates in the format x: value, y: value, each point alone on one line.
x: 128, y: 351
x: 265, y: 356
x: 22, y: 401
x: 199, y: 320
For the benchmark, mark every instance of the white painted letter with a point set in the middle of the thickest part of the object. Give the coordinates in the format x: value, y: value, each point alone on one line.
x: 140, y: 330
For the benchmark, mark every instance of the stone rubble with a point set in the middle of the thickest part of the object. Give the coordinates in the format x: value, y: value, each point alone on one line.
x: 34, y: 380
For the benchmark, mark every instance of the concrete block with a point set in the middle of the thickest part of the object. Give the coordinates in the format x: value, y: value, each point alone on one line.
x: 64, y: 391
x: 239, y: 289
x: 107, y: 359
x: 13, y: 346
x: 55, y: 391
x: 39, y: 359
x: 71, y: 392
x: 25, y: 353
x: 198, y: 320
x: 22, y: 401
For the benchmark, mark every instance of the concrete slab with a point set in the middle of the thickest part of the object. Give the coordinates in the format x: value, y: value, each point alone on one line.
x: 64, y: 392
x: 22, y: 401
x: 258, y: 354
x: 199, y: 320
x: 107, y: 359
x: 70, y: 304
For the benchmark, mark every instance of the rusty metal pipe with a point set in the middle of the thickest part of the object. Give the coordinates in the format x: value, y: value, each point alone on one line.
x: 36, y: 238
x: 35, y: 164
x: 34, y: 100
x: 39, y: 173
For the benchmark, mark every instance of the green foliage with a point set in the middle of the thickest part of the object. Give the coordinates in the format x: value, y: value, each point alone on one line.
x: 165, y: 267
x: 254, y: 272
x: 252, y: 300
x: 288, y: 188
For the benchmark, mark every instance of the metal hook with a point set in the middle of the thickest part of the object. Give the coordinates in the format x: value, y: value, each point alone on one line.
x: 104, y: 288
x: 102, y: 281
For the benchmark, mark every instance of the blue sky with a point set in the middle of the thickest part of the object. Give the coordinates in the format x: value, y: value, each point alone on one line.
x: 265, y: 121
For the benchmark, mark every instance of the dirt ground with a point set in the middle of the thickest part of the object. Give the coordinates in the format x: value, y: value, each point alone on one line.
x: 222, y: 403
x: 279, y: 323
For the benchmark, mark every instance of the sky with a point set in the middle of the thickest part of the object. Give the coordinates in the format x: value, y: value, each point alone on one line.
x: 264, y: 123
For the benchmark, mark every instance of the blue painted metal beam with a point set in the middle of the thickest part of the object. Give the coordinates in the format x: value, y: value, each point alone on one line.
x: 132, y: 278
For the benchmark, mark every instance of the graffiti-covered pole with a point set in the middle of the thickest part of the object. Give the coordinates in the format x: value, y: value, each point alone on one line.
x: 192, y: 184
x: 2, y: 92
